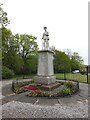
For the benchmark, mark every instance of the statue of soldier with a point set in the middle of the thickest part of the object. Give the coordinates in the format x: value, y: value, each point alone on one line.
x: 45, y: 39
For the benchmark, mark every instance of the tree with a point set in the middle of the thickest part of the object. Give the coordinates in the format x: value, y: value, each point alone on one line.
x: 68, y: 52
x: 32, y: 64
x: 61, y: 62
x: 3, y: 17
x: 3, y: 22
x: 77, y: 62
x: 17, y: 50
x: 27, y: 48
x: 10, y: 58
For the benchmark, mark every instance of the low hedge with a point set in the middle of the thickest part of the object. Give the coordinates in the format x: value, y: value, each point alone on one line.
x: 7, y: 73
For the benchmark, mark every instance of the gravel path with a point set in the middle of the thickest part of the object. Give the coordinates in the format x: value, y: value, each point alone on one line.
x: 16, y: 109
x: 68, y: 107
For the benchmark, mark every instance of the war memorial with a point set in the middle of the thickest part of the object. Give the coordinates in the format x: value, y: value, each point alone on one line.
x: 44, y: 96
x: 45, y: 83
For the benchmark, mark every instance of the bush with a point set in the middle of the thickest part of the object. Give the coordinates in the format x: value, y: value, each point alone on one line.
x: 68, y: 84
x: 67, y: 91
x: 83, y: 72
x: 69, y: 88
x: 7, y: 73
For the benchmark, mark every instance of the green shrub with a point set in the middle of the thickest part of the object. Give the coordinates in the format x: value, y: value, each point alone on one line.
x: 68, y: 84
x: 7, y: 73
x: 67, y: 91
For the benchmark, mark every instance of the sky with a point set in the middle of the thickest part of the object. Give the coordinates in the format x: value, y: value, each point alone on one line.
x: 66, y: 22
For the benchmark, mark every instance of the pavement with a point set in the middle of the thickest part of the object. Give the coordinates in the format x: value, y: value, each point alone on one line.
x: 72, y: 106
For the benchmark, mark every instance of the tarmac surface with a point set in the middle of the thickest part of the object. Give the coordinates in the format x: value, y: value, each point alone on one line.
x: 22, y: 106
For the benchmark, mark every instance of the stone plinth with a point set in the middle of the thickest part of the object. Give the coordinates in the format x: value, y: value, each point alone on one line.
x: 45, y: 79
x: 45, y: 74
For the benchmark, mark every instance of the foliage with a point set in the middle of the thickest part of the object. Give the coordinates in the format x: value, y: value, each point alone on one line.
x: 66, y: 91
x: 7, y: 73
x: 69, y: 88
x: 27, y: 49
x: 10, y: 58
x: 40, y: 93
x: 44, y: 93
x: 31, y: 64
x: 77, y: 62
x: 17, y: 87
x: 61, y: 62
x: 9, y: 44
x: 68, y: 84
x: 19, y: 52
x: 26, y: 76
x: 3, y: 17
x: 36, y: 91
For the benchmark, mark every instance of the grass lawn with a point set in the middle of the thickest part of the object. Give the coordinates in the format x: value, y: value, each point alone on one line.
x: 24, y: 76
x: 16, y: 77
x: 70, y: 76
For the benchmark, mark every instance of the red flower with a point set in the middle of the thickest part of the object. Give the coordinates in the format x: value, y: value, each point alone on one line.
x: 69, y: 83
x: 30, y: 88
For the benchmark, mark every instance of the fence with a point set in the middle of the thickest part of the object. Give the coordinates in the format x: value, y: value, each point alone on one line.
x: 70, y: 76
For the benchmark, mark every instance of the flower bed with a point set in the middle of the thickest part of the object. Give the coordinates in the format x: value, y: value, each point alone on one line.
x: 30, y: 88
x: 17, y: 87
x: 69, y: 88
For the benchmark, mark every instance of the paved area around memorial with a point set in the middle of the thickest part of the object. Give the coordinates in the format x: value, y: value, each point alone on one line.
x: 22, y: 106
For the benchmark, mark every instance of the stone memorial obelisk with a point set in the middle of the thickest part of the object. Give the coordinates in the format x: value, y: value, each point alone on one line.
x: 45, y: 73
